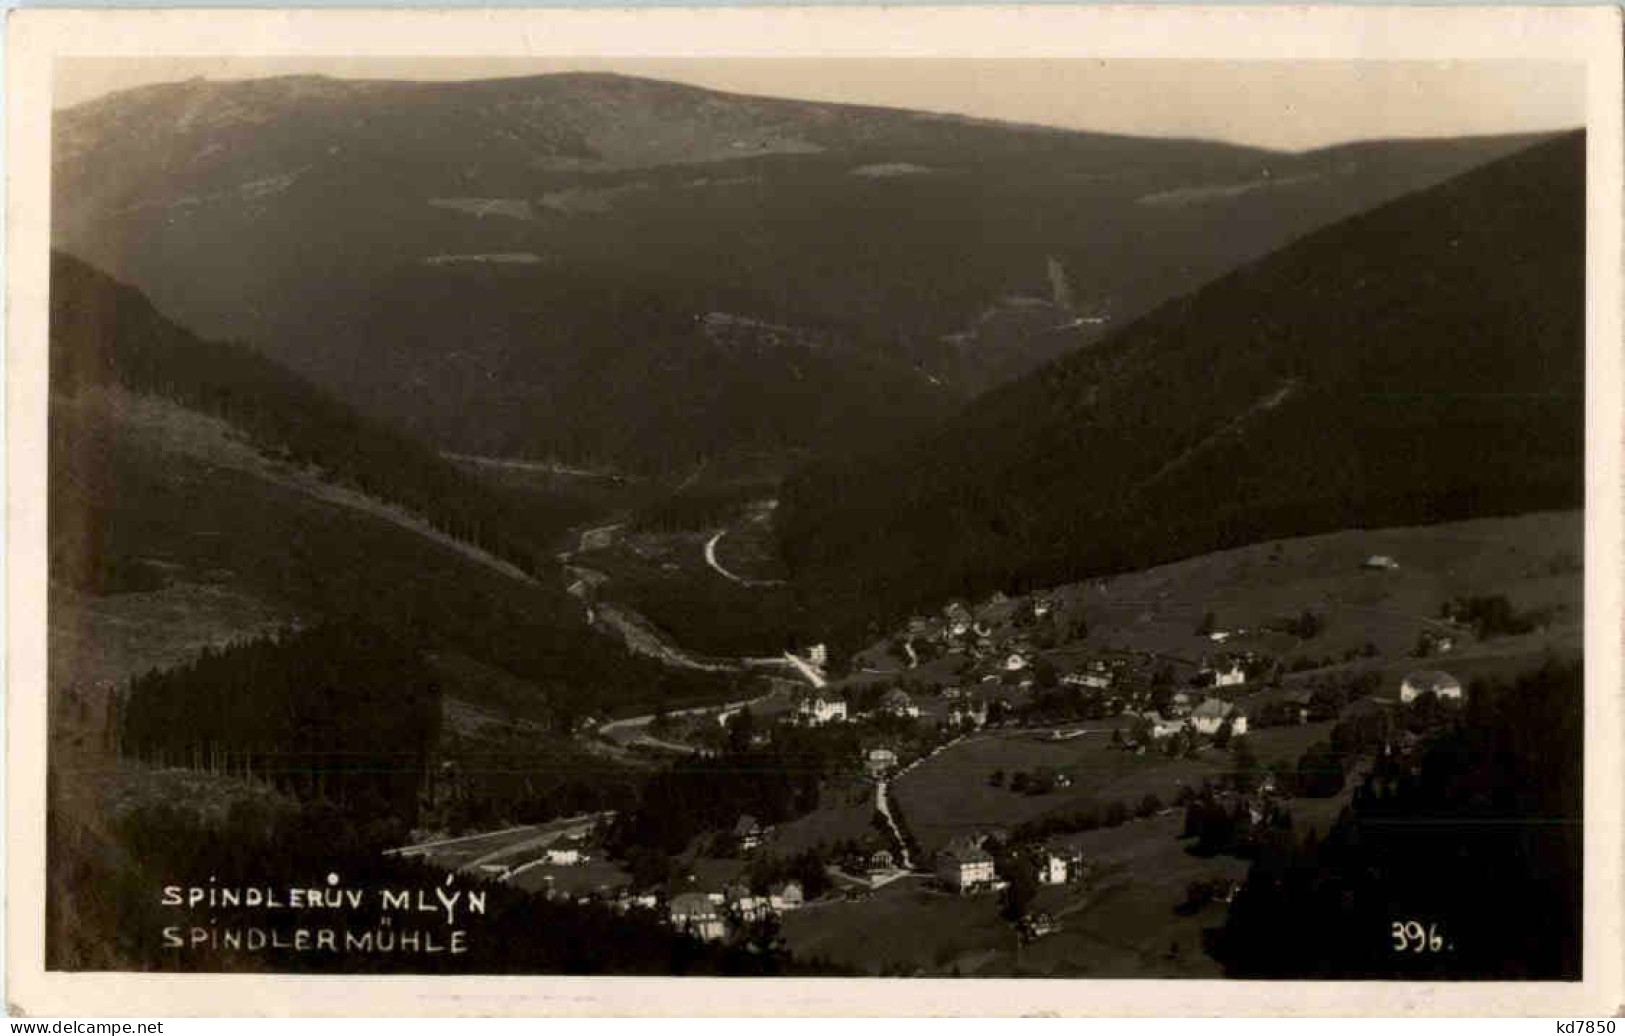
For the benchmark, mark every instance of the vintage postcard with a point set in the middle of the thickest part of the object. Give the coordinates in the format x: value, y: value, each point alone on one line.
x: 556, y: 512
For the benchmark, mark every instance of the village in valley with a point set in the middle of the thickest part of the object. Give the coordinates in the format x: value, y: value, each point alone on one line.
x: 1069, y: 779
x: 736, y: 534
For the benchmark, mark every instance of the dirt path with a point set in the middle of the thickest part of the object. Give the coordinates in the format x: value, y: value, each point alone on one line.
x: 884, y: 807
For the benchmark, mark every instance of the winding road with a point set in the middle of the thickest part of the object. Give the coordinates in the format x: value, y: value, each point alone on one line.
x: 734, y: 577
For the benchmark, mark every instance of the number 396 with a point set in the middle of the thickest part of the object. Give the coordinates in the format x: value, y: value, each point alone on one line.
x: 1413, y: 937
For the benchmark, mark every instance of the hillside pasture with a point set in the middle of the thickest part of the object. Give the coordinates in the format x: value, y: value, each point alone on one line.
x: 950, y: 795
x: 907, y: 925
x: 1533, y: 559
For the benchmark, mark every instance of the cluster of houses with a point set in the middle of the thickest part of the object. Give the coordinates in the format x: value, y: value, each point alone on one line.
x: 1207, y: 719
x: 991, y: 631
x: 1098, y: 674
x: 965, y: 866
x: 818, y: 707
x: 712, y: 915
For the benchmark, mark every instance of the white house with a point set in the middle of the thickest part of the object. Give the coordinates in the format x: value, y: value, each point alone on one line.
x: 1160, y: 726
x: 965, y: 866
x: 881, y: 761
x: 818, y: 708
x: 1424, y: 681
x: 968, y: 713
x: 564, y: 856
x: 1380, y: 561
x: 745, y: 905
x: 1059, y: 866
x: 749, y: 832
x: 788, y: 896
x: 1229, y: 677
x: 1209, y: 716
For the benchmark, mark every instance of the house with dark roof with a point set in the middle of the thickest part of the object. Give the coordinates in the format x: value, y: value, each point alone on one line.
x: 1429, y: 681
x: 696, y: 914
x: 749, y: 832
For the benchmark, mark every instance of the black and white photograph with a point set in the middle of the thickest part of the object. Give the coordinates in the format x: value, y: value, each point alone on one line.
x: 808, y: 516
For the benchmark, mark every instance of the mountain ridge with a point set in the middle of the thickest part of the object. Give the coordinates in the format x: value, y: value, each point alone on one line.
x: 594, y: 219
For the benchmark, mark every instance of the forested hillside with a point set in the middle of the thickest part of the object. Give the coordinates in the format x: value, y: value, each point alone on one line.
x: 105, y: 333
x: 625, y: 272
x: 1423, y: 362
x: 190, y: 472
x: 343, y: 712
x: 1441, y: 835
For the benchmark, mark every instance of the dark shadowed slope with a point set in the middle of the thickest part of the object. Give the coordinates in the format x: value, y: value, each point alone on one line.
x: 1423, y: 362
x: 200, y: 493
x: 613, y: 270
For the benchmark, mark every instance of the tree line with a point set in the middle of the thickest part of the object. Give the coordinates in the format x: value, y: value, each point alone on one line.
x: 103, y: 333
x: 343, y: 712
x: 1471, y: 827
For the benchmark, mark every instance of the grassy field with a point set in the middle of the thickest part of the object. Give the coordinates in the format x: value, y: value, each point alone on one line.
x: 1533, y: 559
x: 949, y: 795
x: 1127, y: 926
x: 583, y: 878
x: 1123, y: 923
x: 904, y: 924
x: 846, y: 813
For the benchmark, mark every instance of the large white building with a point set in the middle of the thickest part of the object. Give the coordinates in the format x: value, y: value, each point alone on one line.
x: 1424, y: 681
x: 965, y: 866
